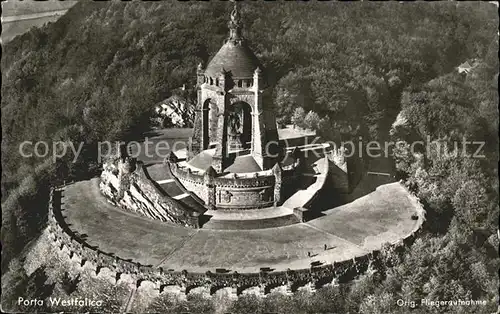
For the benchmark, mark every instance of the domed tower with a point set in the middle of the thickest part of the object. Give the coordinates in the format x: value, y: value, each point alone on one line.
x: 231, y: 117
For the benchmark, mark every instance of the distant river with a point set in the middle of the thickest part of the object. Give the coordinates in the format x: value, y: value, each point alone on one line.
x: 18, y: 24
x: 14, y: 18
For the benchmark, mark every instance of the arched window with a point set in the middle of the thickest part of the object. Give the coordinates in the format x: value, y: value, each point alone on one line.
x: 240, y: 83
x: 211, y: 81
x: 217, y: 82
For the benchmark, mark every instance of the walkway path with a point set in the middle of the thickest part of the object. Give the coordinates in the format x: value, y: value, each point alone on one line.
x: 130, y: 300
x: 302, y: 197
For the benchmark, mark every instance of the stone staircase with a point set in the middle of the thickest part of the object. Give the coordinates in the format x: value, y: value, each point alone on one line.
x: 302, y: 197
x: 247, y: 224
x: 163, y: 178
x: 262, y: 218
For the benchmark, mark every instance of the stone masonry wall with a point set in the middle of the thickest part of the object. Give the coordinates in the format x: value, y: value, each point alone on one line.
x: 79, y: 251
x: 236, y: 192
x: 135, y: 192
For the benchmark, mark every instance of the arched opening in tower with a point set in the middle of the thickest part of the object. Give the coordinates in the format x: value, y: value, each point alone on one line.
x: 239, y: 126
x: 210, y: 121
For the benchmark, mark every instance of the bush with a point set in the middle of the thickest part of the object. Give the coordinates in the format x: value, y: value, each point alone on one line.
x: 311, y: 120
x: 298, y: 117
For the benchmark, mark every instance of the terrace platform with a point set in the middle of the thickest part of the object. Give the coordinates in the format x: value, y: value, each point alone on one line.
x: 350, y: 230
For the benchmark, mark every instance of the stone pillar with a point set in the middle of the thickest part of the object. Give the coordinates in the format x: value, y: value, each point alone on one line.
x: 312, y: 286
x: 262, y: 290
x: 218, y: 161
x: 289, y: 281
x: 200, y: 75
x: 258, y: 134
x: 208, y: 178
x: 300, y: 213
x: 234, y: 291
x: 126, y: 165
x: 277, y: 172
x: 198, y: 141
x: 194, y: 220
x: 183, y: 284
x: 335, y: 282
x: 262, y: 283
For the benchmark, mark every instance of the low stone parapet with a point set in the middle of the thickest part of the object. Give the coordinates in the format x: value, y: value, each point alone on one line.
x: 236, y: 192
x: 301, y: 213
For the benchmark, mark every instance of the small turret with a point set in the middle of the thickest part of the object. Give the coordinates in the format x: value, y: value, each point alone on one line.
x: 200, y: 73
x: 257, y: 78
x: 126, y: 165
x: 209, y: 175
x: 224, y: 80
x: 278, y: 173
x: 208, y: 179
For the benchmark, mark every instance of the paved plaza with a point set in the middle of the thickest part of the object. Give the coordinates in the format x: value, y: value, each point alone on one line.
x: 350, y: 230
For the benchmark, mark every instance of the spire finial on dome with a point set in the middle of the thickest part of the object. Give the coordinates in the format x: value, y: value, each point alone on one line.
x: 235, y: 14
x: 235, y: 25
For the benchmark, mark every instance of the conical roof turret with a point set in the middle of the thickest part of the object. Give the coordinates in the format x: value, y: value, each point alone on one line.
x: 234, y: 56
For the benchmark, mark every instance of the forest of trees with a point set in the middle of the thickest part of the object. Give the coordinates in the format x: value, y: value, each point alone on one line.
x: 341, y: 68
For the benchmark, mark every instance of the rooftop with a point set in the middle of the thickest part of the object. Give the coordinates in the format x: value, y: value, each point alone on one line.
x: 234, y: 57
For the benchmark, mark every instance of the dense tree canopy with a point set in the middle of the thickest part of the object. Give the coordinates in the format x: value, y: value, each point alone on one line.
x: 99, y: 68
x: 341, y: 68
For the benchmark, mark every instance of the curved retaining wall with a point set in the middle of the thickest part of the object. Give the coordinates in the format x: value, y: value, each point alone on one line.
x: 184, y: 215
x: 314, y: 277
